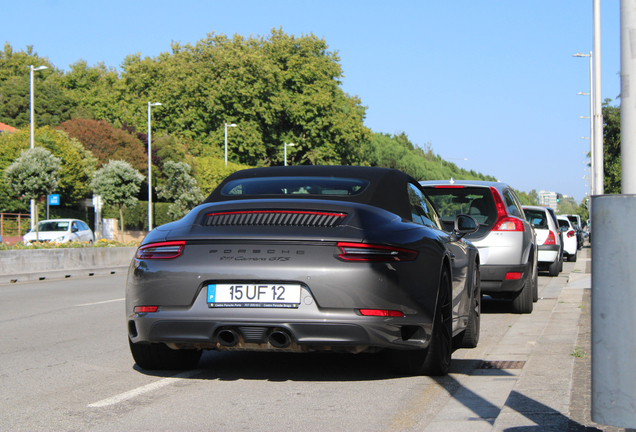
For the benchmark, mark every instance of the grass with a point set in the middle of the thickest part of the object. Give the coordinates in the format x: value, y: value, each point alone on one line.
x: 578, y: 353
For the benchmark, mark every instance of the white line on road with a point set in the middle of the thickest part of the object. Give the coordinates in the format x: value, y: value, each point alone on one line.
x: 101, y: 302
x: 144, y: 389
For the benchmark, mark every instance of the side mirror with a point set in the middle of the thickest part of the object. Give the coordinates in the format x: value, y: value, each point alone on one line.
x: 464, y: 224
x: 74, y: 230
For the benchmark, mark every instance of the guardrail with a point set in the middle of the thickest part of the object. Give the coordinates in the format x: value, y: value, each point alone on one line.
x: 38, y: 264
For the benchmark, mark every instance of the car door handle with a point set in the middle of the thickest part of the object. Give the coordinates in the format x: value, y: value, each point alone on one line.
x: 452, y: 256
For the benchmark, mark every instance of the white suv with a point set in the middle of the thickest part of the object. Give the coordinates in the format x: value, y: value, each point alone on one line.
x: 550, y: 255
x: 505, y: 240
x: 570, y: 242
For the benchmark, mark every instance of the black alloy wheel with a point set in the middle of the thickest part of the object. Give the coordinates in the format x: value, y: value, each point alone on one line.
x: 470, y: 336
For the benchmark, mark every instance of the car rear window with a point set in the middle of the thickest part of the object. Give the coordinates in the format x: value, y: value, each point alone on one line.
x: 537, y: 218
x: 473, y: 201
x: 295, y: 186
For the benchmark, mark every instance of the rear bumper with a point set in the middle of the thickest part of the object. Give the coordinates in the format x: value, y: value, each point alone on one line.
x: 493, y: 278
x: 548, y: 254
x: 309, y: 327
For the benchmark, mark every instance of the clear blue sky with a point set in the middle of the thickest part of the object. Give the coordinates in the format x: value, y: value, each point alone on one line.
x: 493, y: 81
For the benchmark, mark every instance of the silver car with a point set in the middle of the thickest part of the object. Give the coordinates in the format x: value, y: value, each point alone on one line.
x: 505, y: 240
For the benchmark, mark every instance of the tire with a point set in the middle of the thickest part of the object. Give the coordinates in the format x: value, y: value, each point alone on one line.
x: 572, y: 258
x: 535, y: 284
x: 561, y: 265
x: 554, y: 268
x: 436, y: 359
x: 470, y: 336
x: 158, y: 356
x: 522, y: 300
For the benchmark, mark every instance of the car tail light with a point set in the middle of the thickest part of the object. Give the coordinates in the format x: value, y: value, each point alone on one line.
x: 571, y: 233
x: 369, y: 252
x: 551, y: 240
x: 164, y: 250
x: 449, y: 187
x: 145, y: 309
x: 504, y: 222
x: 514, y: 275
x: 381, y: 312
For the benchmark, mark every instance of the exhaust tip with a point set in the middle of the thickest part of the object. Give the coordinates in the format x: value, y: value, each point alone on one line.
x: 279, y: 339
x: 227, y: 337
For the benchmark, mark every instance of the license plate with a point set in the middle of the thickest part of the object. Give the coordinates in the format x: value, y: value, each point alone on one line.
x: 254, y: 295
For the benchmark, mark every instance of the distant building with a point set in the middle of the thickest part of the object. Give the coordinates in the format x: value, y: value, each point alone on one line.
x: 7, y: 129
x: 548, y: 199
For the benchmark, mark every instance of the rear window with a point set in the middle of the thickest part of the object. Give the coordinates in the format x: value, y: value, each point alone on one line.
x: 476, y: 202
x: 296, y: 186
x: 537, y: 218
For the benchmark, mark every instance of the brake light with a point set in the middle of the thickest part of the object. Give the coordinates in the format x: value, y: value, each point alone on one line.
x: 381, y: 313
x: 449, y: 187
x: 551, y: 240
x: 164, y: 250
x: 513, y: 275
x: 571, y: 234
x: 369, y: 252
x: 504, y: 222
x: 145, y: 309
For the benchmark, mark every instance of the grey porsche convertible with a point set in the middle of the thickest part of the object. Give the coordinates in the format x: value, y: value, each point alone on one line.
x: 302, y: 259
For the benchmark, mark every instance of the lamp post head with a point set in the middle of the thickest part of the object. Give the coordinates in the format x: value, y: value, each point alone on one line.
x: 581, y: 55
x: 230, y: 125
x: 154, y: 104
x: 38, y: 68
x: 583, y: 93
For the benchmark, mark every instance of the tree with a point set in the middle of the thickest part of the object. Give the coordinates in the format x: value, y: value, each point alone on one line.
x: 107, y: 142
x: 33, y: 176
x: 118, y: 184
x: 211, y: 171
x: 181, y: 188
x: 52, y: 102
x: 76, y: 170
x: 277, y: 89
x: 612, y: 148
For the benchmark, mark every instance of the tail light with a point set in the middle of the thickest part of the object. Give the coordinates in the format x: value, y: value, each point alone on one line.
x: 381, y: 313
x: 514, y: 275
x: 145, y: 309
x: 571, y: 233
x: 369, y: 252
x: 551, y: 240
x: 504, y: 222
x: 164, y: 250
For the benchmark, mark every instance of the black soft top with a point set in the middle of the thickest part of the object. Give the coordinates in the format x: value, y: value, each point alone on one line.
x: 387, y: 187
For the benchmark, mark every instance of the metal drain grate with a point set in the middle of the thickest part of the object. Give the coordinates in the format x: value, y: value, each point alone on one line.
x: 501, y: 364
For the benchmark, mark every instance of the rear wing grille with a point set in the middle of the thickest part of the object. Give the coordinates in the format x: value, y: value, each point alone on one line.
x: 275, y: 218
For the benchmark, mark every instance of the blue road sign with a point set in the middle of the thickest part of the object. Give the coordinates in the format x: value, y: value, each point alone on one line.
x: 54, y: 199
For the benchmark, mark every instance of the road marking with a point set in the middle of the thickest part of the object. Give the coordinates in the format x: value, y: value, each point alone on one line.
x: 101, y: 302
x: 144, y: 389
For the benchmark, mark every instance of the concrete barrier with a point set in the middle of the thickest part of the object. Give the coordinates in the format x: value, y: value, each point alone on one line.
x: 38, y: 264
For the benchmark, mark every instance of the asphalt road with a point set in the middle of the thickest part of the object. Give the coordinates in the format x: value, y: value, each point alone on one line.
x: 65, y: 365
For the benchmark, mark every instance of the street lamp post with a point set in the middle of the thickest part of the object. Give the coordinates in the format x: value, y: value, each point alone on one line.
x: 227, y: 126
x: 150, y: 167
x: 32, y: 127
x: 447, y: 159
x: 287, y: 145
x: 592, y: 137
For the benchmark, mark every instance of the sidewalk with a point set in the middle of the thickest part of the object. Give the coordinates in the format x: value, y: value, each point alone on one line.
x: 538, y: 374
